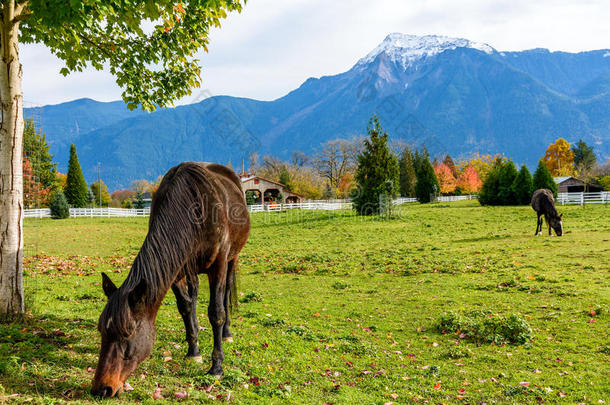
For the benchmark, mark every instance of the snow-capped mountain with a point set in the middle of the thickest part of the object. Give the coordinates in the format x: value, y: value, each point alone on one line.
x: 452, y: 95
x: 406, y: 49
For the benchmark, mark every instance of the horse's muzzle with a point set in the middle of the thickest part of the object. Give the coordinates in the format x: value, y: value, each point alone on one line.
x: 103, y: 392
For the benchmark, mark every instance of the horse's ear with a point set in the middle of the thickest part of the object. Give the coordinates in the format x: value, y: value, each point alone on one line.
x: 560, y: 216
x: 137, y: 295
x: 107, y: 285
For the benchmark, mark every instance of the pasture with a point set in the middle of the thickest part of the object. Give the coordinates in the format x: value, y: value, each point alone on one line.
x: 337, y: 308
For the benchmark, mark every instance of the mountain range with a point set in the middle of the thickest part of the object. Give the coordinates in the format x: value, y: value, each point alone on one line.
x: 451, y: 95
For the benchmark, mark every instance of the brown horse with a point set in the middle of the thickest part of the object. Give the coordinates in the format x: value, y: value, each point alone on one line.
x: 544, y: 204
x: 199, y: 223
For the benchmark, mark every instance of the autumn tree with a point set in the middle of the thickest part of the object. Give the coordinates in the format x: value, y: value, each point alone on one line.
x: 34, y: 192
x: 36, y: 150
x: 102, y: 196
x: 451, y: 165
x: 483, y: 164
x: 149, y: 46
x: 337, y: 158
x: 446, y: 180
x: 469, y: 181
x: 407, y: 173
x: 559, y: 158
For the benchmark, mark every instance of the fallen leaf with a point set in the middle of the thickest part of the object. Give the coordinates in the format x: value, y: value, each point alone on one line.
x: 394, y: 396
x: 127, y: 387
x: 562, y: 394
x: 180, y: 395
x: 90, y: 370
x: 462, y: 391
x: 157, y: 394
x: 437, y: 386
x: 524, y: 384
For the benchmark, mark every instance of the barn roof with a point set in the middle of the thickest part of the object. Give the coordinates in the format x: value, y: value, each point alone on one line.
x: 560, y: 180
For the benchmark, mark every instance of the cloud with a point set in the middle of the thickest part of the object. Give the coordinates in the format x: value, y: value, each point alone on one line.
x: 272, y: 47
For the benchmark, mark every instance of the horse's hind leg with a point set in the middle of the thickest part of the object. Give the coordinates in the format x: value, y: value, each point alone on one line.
x: 538, y: 225
x: 226, y: 333
x: 216, y: 310
x: 186, y: 290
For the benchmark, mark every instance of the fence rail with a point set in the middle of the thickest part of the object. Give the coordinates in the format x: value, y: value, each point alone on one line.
x: 583, y: 198
x: 562, y: 198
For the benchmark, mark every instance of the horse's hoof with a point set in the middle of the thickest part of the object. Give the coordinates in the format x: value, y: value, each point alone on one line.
x: 195, y: 359
x: 228, y: 339
x: 216, y: 376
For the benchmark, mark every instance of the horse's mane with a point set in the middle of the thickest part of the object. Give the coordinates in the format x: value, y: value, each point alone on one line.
x: 174, y: 227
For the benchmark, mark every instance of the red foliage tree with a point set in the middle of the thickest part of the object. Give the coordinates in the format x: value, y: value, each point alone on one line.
x: 469, y: 181
x: 446, y: 180
x: 34, y: 193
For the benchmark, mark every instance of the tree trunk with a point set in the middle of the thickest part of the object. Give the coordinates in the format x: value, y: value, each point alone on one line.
x: 11, y: 169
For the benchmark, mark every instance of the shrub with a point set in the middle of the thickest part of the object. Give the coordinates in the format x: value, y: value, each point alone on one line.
x: 252, y: 296
x: 59, y: 206
x: 482, y: 328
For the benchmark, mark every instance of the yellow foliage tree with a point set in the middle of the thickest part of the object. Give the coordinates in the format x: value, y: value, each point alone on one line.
x: 559, y: 158
x: 480, y: 163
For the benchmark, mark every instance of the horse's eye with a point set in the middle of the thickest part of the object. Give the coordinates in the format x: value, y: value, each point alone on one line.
x: 126, y: 349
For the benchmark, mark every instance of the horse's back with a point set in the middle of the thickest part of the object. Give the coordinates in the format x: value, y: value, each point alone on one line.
x: 542, y: 199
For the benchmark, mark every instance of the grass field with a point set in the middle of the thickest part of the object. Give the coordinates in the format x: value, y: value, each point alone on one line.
x: 342, y: 309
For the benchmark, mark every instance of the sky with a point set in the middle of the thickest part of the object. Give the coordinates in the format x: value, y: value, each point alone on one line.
x: 272, y: 47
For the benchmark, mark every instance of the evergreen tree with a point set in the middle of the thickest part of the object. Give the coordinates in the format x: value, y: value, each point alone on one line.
x: 105, y: 195
x: 449, y: 162
x: 376, y: 166
x: 407, y: 173
x: 76, y: 187
x: 490, y: 191
x: 59, y: 206
x: 508, y: 174
x: 522, y: 186
x: 36, y: 150
x: 427, y: 184
x: 139, y: 201
x: 90, y: 198
x: 285, y: 178
x: 543, y: 178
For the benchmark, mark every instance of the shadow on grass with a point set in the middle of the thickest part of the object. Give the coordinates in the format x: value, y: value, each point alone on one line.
x: 46, y: 356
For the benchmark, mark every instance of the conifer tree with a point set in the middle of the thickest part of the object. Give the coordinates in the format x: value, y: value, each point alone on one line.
x: 427, y: 183
x: 36, y: 150
x: 407, y: 173
x: 377, y: 165
x: 59, y: 206
x: 490, y: 191
x: 522, y: 186
x: 508, y: 174
x: 543, y: 178
x: 76, y: 187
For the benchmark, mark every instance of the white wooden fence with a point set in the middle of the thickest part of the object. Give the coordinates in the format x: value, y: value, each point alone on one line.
x: 583, y: 198
x: 562, y: 198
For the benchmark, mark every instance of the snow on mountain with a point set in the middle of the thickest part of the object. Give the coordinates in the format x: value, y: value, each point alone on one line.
x: 407, y: 49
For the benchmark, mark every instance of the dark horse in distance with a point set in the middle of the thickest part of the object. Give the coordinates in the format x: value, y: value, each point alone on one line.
x: 544, y: 204
x: 199, y: 223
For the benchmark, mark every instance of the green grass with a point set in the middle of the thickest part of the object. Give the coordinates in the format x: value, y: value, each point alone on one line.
x: 342, y: 309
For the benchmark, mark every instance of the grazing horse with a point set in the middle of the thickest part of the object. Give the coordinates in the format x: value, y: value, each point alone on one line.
x: 544, y: 204
x: 199, y: 223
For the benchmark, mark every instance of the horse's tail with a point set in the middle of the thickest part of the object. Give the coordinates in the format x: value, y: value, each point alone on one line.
x: 233, y: 301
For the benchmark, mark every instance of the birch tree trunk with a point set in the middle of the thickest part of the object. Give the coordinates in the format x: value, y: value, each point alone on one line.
x: 11, y: 170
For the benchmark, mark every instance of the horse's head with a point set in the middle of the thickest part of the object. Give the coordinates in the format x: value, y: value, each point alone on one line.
x: 556, y: 223
x: 128, y: 334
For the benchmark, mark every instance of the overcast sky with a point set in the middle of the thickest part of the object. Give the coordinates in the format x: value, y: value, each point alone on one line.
x: 275, y: 45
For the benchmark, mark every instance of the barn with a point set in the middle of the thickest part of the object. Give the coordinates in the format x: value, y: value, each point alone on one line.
x: 267, y: 191
x: 574, y: 185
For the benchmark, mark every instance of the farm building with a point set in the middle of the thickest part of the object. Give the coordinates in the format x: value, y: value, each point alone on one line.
x: 267, y: 191
x: 574, y: 185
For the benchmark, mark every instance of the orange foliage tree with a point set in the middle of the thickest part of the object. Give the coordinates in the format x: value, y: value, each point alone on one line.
x: 482, y: 164
x: 469, y: 181
x: 446, y: 180
x: 34, y: 193
x: 559, y: 158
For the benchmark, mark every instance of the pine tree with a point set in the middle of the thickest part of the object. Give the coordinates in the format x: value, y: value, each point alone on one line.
x: 543, y: 178
x: 36, y: 150
x: 508, y: 174
x: 139, y: 201
x: 407, y: 173
x: 285, y: 178
x: 76, y: 187
x: 90, y: 198
x: 427, y: 183
x: 522, y: 186
x: 59, y: 206
x: 377, y: 165
x: 490, y: 191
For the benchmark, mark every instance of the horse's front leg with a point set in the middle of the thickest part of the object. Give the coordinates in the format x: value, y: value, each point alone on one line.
x: 217, y: 311
x: 186, y: 290
x: 538, y: 226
